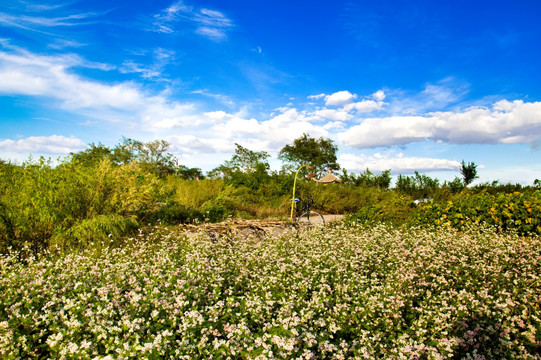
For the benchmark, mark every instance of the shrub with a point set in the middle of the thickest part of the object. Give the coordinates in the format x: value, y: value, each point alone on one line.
x: 518, y: 211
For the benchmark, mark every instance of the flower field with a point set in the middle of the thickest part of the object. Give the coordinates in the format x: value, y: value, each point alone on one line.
x: 346, y: 292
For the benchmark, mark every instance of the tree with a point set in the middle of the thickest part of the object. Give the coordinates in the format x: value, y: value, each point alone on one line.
x: 187, y: 173
x: 246, y: 168
x: 469, y: 172
x: 418, y: 186
x: 456, y: 185
x: 319, y: 153
x: 248, y: 161
x: 152, y: 155
x: 92, y: 155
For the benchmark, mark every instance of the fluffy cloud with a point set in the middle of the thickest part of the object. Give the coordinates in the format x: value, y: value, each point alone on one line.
x: 398, y: 163
x: 505, y: 123
x: 55, y: 144
x: 190, y: 144
x: 279, y: 130
x: 364, y: 106
x: 333, y: 114
x: 339, y: 98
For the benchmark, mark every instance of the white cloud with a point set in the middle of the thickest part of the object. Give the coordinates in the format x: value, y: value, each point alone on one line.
x: 340, y: 98
x: 316, y: 97
x: 505, y: 123
x: 24, y: 73
x: 131, y: 67
x: 332, y: 114
x: 190, y: 144
x: 434, y: 97
x: 379, y: 95
x: 397, y: 163
x: 55, y: 144
x: 209, y: 23
x: 364, y: 106
x: 269, y: 135
x: 36, y: 22
x: 218, y: 116
x: 398, y: 130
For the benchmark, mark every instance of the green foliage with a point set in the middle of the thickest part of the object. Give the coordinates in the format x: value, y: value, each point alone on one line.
x: 152, y: 156
x: 367, y: 179
x: 187, y: 173
x: 319, y: 153
x: 456, y: 185
x: 518, y: 211
x: 96, y: 232
x: 40, y: 202
x: 247, y: 161
x: 418, y: 186
x: 246, y: 168
x: 174, y: 213
x: 469, y: 172
x: 381, y: 206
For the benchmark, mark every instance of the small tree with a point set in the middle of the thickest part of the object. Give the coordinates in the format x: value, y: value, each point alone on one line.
x: 246, y: 168
x: 469, y: 172
x: 319, y: 153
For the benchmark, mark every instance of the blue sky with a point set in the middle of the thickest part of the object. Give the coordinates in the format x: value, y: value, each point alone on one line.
x: 402, y: 85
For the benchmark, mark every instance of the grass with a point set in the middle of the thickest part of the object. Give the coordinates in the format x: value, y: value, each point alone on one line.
x: 347, y: 292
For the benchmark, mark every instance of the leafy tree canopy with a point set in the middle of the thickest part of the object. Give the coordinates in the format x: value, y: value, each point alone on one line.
x: 319, y: 153
x: 247, y: 160
x: 246, y: 167
x: 151, y: 155
x: 189, y: 173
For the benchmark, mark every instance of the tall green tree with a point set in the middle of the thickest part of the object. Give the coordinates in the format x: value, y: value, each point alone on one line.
x: 469, y: 172
x: 319, y: 153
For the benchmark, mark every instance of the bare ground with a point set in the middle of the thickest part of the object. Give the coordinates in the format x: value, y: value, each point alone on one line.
x: 257, y: 228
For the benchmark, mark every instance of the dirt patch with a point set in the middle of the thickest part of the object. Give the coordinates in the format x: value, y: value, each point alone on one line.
x: 251, y: 228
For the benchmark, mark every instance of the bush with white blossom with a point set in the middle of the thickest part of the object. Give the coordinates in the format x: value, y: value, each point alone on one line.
x: 343, y: 293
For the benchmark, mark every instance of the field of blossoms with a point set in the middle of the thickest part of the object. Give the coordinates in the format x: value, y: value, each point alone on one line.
x: 343, y: 293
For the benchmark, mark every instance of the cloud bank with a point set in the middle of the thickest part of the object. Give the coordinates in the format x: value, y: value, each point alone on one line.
x: 505, y: 122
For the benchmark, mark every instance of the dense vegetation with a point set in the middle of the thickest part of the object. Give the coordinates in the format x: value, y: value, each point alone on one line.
x: 89, y: 267
x: 343, y: 293
x: 101, y: 192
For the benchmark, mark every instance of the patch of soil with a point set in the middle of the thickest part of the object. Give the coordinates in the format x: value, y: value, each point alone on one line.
x: 250, y: 228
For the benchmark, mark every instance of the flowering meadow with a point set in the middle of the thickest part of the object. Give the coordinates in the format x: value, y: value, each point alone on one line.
x: 347, y: 292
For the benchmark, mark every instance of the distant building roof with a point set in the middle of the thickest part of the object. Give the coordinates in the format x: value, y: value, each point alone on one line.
x: 328, y: 179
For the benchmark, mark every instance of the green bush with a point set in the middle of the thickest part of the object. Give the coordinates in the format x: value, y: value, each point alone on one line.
x: 39, y: 201
x: 174, y: 213
x: 518, y: 211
